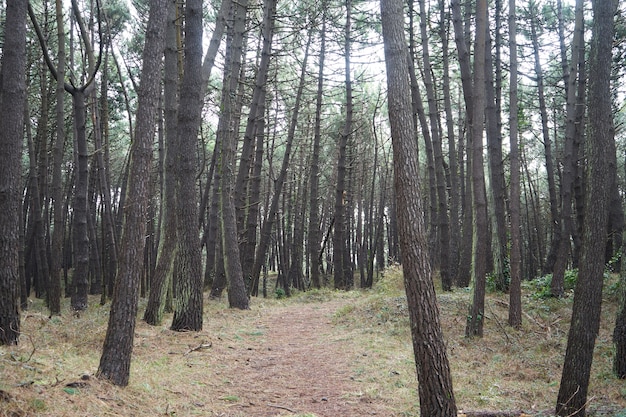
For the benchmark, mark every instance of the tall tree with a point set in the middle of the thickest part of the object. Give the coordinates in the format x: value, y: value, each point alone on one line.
x: 118, y: 344
x: 167, y: 244
x: 443, y: 246
x: 188, y: 310
x: 515, y: 293
x: 601, y: 165
x: 342, y: 271
x: 433, y: 372
x: 56, y: 244
x: 314, y: 222
x: 12, y: 102
x: 475, y: 318
x: 229, y: 131
x: 570, y: 156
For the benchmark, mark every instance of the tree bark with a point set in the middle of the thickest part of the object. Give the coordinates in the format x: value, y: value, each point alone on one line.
x: 601, y: 164
x: 12, y: 102
x: 475, y: 318
x: 342, y: 271
x: 162, y: 278
x: 118, y: 344
x: 228, y: 131
x: 433, y: 372
x: 515, y: 291
x: 189, y: 279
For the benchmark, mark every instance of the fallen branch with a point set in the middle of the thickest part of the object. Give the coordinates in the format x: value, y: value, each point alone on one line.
x: 199, y: 347
x: 282, y: 407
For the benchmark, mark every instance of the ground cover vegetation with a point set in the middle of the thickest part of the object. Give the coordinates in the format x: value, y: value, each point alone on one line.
x: 51, y: 373
x: 164, y: 159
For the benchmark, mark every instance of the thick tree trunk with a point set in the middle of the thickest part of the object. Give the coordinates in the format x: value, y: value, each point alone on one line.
x: 433, y: 372
x: 12, y: 102
x: 80, y: 236
x: 189, y: 279
x: 342, y: 272
x: 118, y: 344
x: 601, y: 165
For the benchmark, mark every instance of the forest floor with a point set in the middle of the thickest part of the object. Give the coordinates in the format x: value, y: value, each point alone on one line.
x: 316, y: 354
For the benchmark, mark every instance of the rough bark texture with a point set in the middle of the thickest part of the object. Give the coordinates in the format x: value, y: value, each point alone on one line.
x: 569, y: 162
x: 342, y: 271
x: 118, y: 343
x: 188, y: 310
x: 228, y: 130
x: 167, y: 244
x: 12, y: 101
x: 433, y: 373
x: 475, y: 318
x: 515, y: 292
x: 601, y: 164
x: 314, y: 217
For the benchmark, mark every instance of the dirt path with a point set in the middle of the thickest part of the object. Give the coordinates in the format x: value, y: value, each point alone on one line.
x: 299, y: 363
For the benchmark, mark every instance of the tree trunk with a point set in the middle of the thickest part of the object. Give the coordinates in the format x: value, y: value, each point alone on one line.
x: 443, y: 246
x: 601, y: 164
x: 189, y: 279
x: 314, y: 217
x: 228, y: 131
x: 515, y: 291
x: 569, y: 161
x: 433, y: 372
x: 475, y: 318
x: 341, y: 250
x: 496, y: 161
x: 455, y: 229
x: 162, y: 278
x: 118, y: 344
x: 266, y: 229
x: 12, y: 102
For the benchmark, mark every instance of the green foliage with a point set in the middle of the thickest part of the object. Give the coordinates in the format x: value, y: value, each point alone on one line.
x: 280, y: 293
x: 38, y: 404
x: 541, y: 286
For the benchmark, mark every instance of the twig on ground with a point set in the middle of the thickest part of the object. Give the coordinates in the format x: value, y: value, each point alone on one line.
x: 508, y: 340
x: 199, y: 347
x: 282, y: 407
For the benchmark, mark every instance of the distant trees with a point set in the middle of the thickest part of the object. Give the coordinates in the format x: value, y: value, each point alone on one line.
x: 270, y: 157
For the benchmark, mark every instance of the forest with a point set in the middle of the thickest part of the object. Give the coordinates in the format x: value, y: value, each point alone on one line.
x: 164, y: 163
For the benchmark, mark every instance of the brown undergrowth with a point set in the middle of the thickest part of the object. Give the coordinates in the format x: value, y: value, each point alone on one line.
x: 317, y: 354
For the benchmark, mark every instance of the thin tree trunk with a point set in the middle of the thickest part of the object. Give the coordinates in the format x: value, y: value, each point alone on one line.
x: 266, y: 229
x: 569, y: 161
x: 475, y: 318
x: 162, y: 278
x: 515, y: 292
x: 314, y: 217
x: 228, y: 131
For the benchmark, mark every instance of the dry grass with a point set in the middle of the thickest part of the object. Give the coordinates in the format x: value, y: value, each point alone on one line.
x: 243, y: 363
